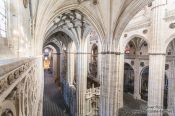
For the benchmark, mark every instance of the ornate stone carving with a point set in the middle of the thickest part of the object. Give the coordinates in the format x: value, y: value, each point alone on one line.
x: 145, y: 31
x: 17, y: 73
x: 10, y: 79
x: 21, y: 70
x: 142, y: 64
x: 125, y: 35
x: 92, y: 100
x: 15, y: 93
x: 3, y: 85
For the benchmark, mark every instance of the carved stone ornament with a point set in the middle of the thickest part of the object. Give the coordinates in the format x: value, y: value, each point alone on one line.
x: 145, y: 31
x: 125, y: 35
x: 142, y: 64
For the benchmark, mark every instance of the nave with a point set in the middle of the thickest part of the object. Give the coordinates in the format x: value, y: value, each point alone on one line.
x: 53, y: 104
x: 107, y: 57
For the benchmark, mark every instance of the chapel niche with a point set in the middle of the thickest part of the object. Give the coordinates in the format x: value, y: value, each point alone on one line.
x: 92, y: 75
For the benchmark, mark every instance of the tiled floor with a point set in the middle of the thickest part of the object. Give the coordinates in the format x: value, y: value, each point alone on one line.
x: 53, y: 100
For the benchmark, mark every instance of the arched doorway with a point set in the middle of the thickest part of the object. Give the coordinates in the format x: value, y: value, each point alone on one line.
x: 136, y: 57
x: 144, y: 86
x: 165, y: 97
x: 169, y: 79
x: 51, y: 61
x: 128, y: 79
x: 92, y: 80
x: 136, y: 54
x: 144, y: 83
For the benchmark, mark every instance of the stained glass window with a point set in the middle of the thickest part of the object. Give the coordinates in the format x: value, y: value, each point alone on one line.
x: 3, y: 19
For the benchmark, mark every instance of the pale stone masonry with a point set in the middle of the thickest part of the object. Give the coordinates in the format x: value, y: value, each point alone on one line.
x: 130, y: 70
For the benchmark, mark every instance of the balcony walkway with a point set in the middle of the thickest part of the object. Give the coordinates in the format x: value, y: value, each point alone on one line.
x: 53, y: 101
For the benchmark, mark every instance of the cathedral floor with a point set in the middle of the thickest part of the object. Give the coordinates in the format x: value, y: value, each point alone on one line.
x: 134, y: 107
x: 53, y: 101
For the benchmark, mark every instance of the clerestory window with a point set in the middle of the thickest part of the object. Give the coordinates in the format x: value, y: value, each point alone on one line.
x: 3, y: 19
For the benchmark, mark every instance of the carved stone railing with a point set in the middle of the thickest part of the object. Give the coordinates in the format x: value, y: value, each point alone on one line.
x: 21, y: 88
x: 92, y: 101
x: 92, y: 92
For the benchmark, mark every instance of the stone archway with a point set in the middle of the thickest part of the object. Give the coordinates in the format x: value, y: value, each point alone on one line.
x: 128, y: 79
x: 136, y: 54
x: 92, y: 73
x: 144, y: 83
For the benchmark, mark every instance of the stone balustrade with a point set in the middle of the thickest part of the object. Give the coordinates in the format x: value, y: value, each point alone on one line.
x: 92, y: 91
x: 92, y: 101
x: 21, y: 88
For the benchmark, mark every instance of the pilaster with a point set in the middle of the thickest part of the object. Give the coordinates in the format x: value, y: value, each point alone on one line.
x: 171, y: 88
x: 71, y: 64
x: 156, y: 60
x: 156, y: 84
x: 55, y: 65
x: 111, y: 83
x: 81, y: 82
x: 137, y: 79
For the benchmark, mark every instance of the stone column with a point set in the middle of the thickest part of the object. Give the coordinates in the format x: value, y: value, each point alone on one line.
x: 70, y: 71
x: 156, y: 84
x: 55, y: 66
x: 137, y: 78
x: 111, y: 93
x: 171, y: 88
x: 58, y: 70
x: 81, y: 82
x: 62, y: 67
x: 156, y: 60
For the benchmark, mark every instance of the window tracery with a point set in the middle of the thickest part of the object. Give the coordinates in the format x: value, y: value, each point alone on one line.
x: 3, y: 18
